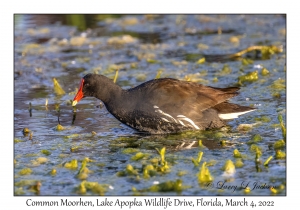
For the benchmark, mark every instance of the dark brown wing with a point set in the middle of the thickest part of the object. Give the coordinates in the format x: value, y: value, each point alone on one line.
x: 183, y: 98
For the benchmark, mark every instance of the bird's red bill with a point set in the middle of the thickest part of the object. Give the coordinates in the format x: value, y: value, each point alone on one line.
x: 79, y: 94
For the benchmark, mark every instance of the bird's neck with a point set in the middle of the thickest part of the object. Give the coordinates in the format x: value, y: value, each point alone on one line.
x: 108, y: 92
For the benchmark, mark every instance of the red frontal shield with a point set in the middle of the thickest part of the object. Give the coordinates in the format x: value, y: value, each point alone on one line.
x: 79, y: 94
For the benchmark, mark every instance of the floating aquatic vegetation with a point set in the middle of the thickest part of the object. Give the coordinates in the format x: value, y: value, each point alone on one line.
x: 129, y: 21
x: 204, y: 174
x: 247, y: 190
x: 31, y: 155
x: 84, y: 171
x: 130, y: 170
x: 245, y: 127
x: 200, y: 144
x: 179, y: 63
x: 273, y: 190
x: 283, y: 129
x: 77, y: 40
x: 201, y: 61
x: 237, y: 154
x: 116, y: 75
x: 266, y: 51
x: 158, y: 74
x: 195, y: 78
x: 224, y: 71
x: 140, y: 77
x: 94, y: 187
x: 154, y: 161
x: 39, y: 160
x: 19, y: 191
x: 279, y: 154
x: 59, y: 127
x: 33, y: 48
x: 25, y: 182
x: 26, y: 131
x: 277, y: 88
x: 36, y: 187
x: 139, y: 156
x: 263, y: 119
x: 129, y: 150
x: 257, y: 156
x: 239, y: 163
x: 250, y: 77
x: 16, y: 140
x: 45, y: 152
x: 279, y: 144
x: 228, y: 168
x: 211, y: 163
x: 255, y: 148
x: 277, y: 190
x: 276, y: 95
x: 215, y: 79
x: 72, y: 164
x: 278, y: 85
x: 168, y: 186
x: 38, y: 31
x: 181, y: 173
x: 235, y: 39
x: 152, y: 61
x: 30, y: 135
x: 197, y: 161
x: 74, y: 148
x: 72, y: 136
x: 53, y: 172
x: 162, y: 153
x: 134, y: 65
x: 265, y: 72
x: 25, y: 171
x: 121, y: 40
x: 247, y: 61
x: 57, y: 88
x: 266, y: 163
x: 256, y: 138
x: 202, y: 46
x: 223, y: 143
x: 149, y: 171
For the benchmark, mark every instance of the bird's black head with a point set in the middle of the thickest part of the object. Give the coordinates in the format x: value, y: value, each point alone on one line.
x: 87, y: 87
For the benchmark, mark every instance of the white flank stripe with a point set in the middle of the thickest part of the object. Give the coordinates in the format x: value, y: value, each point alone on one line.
x: 182, y: 117
x: 181, y: 122
x: 229, y: 116
x: 165, y: 119
x: 161, y: 112
x: 155, y: 107
x: 169, y: 116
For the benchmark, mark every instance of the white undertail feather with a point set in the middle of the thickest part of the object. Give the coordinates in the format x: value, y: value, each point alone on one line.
x: 229, y: 116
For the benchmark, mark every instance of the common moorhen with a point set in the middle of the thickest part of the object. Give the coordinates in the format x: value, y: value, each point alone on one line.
x: 164, y: 105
